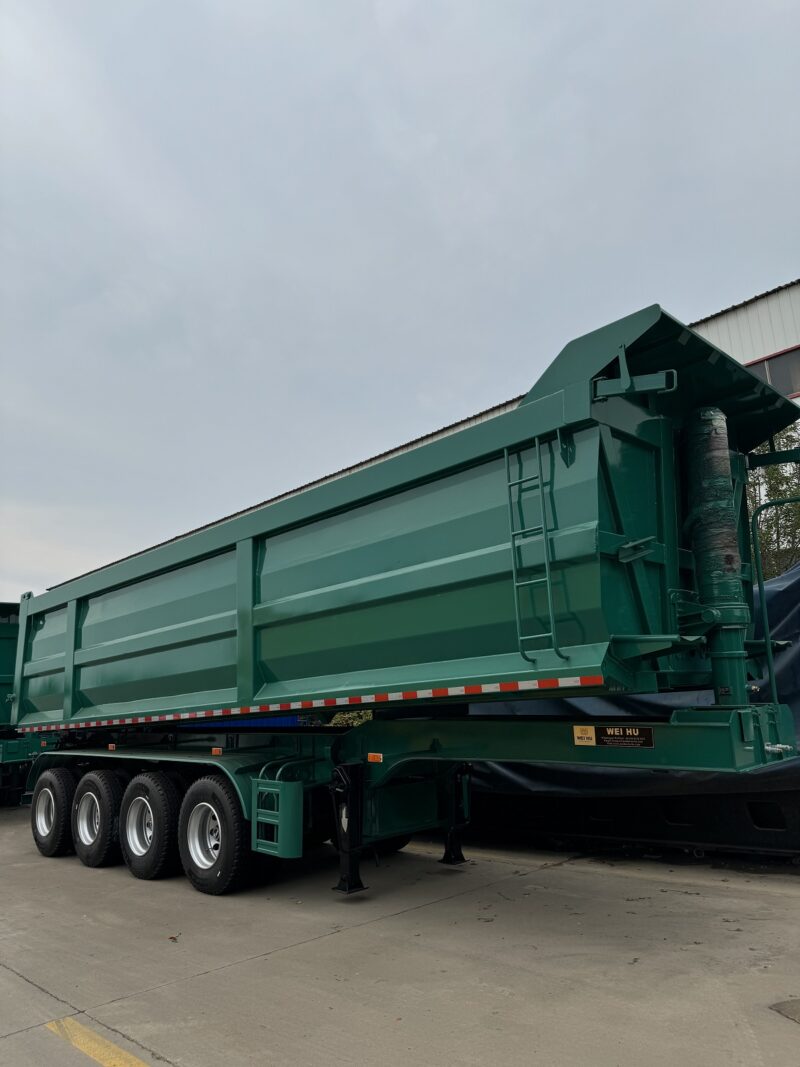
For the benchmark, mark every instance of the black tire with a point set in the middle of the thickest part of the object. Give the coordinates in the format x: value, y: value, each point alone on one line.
x: 213, y: 836
x: 148, y: 825
x: 51, y: 811
x: 390, y: 845
x: 181, y: 782
x: 95, y: 819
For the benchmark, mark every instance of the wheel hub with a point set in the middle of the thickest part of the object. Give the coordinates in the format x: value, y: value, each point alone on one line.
x: 45, y: 812
x: 88, y: 820
x: 139, y: 826
x: 204, y: 835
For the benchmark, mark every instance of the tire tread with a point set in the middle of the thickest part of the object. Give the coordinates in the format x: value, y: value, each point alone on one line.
x: 105, y: 850
x: 62, y: 782
x: 164, y: 860
x: 237, y: 868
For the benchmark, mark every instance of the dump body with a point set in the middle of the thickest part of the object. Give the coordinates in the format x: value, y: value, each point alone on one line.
x: 549, y: 546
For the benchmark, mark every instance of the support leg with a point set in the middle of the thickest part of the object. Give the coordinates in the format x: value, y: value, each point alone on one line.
x: 458, y: 817
x: 452, y: 848
x: 347, y: 790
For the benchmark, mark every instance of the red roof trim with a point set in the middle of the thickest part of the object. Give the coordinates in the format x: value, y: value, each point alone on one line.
x: 773, y: 355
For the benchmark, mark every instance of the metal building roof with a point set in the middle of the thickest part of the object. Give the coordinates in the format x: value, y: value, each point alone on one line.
x: 758, y: 327
x: 744, y: 303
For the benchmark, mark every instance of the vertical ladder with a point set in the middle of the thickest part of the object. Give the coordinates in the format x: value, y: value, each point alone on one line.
x: 530, y: 533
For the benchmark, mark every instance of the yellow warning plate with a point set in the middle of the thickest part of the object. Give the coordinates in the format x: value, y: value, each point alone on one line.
x: 583, y: 735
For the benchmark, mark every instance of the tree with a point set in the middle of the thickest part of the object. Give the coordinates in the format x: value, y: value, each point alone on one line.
x: 779, y: 528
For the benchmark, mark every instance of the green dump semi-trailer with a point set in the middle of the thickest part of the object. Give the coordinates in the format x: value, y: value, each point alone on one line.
x: 591, y: 538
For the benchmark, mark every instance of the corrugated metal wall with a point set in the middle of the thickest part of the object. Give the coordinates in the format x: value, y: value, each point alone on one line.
x: 758, y: 327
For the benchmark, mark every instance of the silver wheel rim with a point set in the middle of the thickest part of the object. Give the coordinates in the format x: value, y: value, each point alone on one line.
x: 45, y: 812
x: 204, y: 835
x: 139, y: 826
x: 88, y: 820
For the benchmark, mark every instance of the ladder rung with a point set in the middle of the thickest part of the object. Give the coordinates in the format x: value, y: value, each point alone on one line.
x: 523, y: 481
x: 536, y: 637
x: 531, y: 531
x: 531, y: 581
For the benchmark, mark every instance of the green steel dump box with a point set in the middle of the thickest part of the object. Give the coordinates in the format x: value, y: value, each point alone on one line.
x: 546, y: 547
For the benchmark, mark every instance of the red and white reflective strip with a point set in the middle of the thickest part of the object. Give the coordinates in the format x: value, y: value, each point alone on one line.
x: 582, y: 681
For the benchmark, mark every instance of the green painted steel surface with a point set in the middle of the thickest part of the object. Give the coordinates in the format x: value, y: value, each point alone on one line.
x: 402, y: 575
x: 277, y: 819
x: 651, y: 342
x: 16, y: 752
x: 9, y: 631
x: 703, y: 739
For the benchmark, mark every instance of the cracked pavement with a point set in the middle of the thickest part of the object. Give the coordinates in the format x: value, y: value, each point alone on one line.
x: 518, y: 957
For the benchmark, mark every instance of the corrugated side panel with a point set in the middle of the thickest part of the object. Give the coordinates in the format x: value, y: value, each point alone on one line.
x: 408, y: 591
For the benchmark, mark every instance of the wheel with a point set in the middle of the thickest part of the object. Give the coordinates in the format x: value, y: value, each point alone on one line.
x: 390, y: 845
x: 212, y: 836
x: 180, y: 780
x: 95, y: 818
x: 51, y: 808
x: 148, y: 825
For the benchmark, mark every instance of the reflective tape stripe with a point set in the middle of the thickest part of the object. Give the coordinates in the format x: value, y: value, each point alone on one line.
x: 583, y: 681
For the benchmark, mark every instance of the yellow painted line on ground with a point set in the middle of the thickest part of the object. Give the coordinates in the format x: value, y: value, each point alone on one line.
x: 91, y: 1044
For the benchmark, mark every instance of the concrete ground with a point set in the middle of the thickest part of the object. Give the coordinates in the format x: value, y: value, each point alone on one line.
x: 516, y: 958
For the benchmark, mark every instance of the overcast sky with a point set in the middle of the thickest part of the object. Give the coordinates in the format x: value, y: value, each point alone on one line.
x: 246, y: 243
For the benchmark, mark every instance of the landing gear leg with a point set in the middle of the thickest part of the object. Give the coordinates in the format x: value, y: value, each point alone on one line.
x: 458, y: 817
x: 347, y: 790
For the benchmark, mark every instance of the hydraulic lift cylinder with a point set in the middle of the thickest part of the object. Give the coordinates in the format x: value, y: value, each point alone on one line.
x: 715, y: 544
